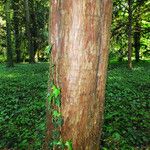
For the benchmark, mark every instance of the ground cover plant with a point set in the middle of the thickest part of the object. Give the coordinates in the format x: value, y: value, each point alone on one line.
x: 23, y: 91
x: 126, y: 119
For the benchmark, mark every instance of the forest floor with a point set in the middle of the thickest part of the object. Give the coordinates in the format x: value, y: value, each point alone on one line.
x: 126, y: 119
x: 23, y: 91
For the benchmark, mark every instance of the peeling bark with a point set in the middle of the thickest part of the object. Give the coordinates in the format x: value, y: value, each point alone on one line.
x: 80, y: 34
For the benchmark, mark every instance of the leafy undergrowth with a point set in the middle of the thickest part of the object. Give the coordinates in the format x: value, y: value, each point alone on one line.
x: 126, y: 120
x: 22, y: 107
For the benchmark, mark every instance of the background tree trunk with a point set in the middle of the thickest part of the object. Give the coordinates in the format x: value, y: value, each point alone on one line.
x: 130, y: 34
x: 137, y: 32
x: 137, y: 37
x: 34, y: 28
x: 28, y: 30
x: 80, y: 34
x: 16, y: 30
x: 8, y: 35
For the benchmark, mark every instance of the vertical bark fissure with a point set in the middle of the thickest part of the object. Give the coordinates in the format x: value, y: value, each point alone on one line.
x: 106, y: 17
x: 99, y: 56
x: 59, y: 44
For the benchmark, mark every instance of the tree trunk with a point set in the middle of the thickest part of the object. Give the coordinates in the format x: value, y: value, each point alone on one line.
x: 80, y: 34
x: 8, y: 35
x: 137, y: 37
x: 16, y: 30
x: 28, y: 32
x: 34, y: 28
x: 130, y: 34
x: 137, y: 32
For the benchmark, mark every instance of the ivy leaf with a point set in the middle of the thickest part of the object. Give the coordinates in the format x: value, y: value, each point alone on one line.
x: 57, y: 101
x: 56, y: 114
x: 55, y: 142
x: 57, y: 122
x: 50, y: 98
x: 56, y: 134
x: 68, y: 144
x: 116, y: 136
x: 48, y: 49
x: 60, y: 143
x: 56, y: 91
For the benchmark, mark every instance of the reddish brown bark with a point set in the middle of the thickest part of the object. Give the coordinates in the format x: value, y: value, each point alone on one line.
x: 80, y: 34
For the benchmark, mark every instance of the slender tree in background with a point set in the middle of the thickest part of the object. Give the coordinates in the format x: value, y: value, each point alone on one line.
x: 28, y: 32
x: 34, y: 28
x: 137, y: 30
x: 8, y: 35
x: 137, y: 37
x: 130, y: 34
x: 80, y: 34
x: 16, y: 30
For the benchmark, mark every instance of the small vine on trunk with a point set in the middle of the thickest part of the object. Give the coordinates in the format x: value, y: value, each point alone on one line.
x: 54, y: 108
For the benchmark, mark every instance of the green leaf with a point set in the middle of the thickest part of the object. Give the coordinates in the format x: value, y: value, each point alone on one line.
x: 68, y: 144
x: 48, y: 49
x: 116, y: 136
x: 59, y: 143
x: 56, y: 134
x: 57, y: 122
x: 104, y: 148
x: 57, y: 101
x: 50, y: 98
x: 56, y: 91
x: 56, y: 114
x: 55, y: 142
